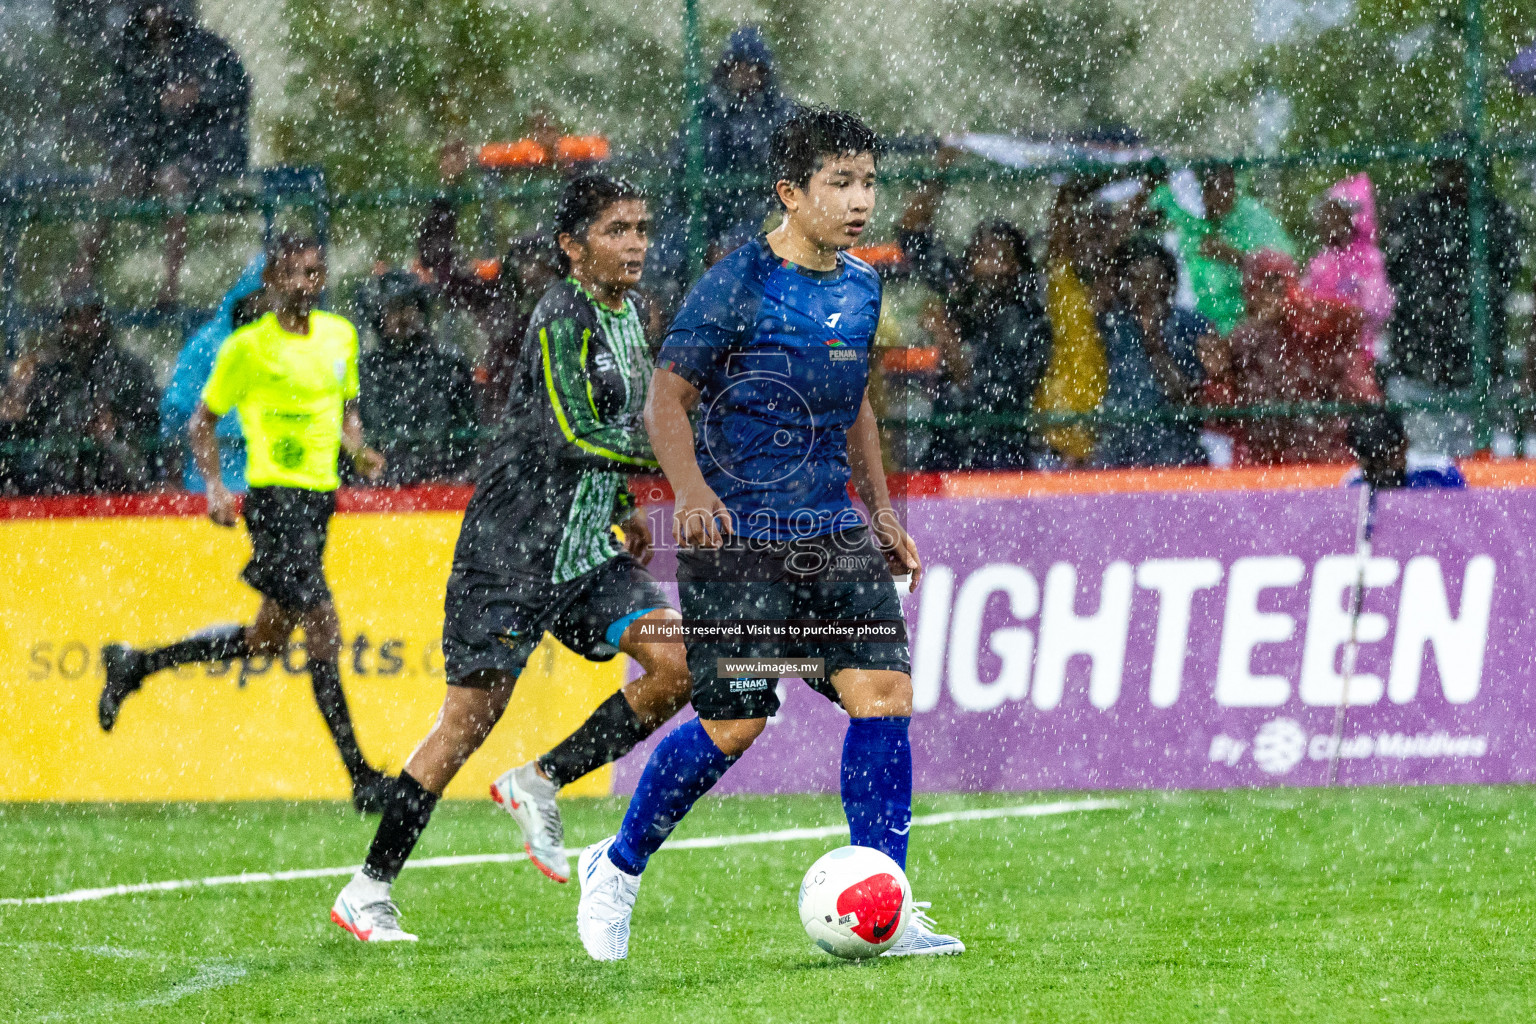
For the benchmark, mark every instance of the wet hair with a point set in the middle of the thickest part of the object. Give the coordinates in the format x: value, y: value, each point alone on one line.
x: 82, y: 298
x: 1376, y: 437
x: 398, y: 288
x: 808, y: 137
x: 1376, y: 434
x: 287, y: 244
x: 136, y: 26
x: 1217, y: 170
x: 1023, y: 286
x: 246, y: 310
x: 1133, y: 250
x: 532, y: 248
x: 583, y: 201
x: 1010, y: 235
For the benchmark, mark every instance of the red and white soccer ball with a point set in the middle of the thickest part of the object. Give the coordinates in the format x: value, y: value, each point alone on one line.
x: 855, y: 902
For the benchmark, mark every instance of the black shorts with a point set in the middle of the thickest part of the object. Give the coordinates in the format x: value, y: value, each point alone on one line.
x: 288, y: 527
x: 836, y: 577
x: 492, y: 625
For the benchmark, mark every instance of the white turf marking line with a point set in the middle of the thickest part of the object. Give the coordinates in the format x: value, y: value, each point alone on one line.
x: 208, y: 974
x: 701, y: 843
x: 211, y: 974
x: 827, y: 832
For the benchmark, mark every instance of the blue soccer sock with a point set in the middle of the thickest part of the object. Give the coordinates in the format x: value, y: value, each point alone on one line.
x: 877, y: 784
x: 683, y: 768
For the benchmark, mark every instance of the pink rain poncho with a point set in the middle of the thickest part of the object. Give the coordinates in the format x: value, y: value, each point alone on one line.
x: 1356, y: 273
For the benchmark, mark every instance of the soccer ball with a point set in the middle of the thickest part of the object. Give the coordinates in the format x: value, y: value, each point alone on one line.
x: 855, y: 902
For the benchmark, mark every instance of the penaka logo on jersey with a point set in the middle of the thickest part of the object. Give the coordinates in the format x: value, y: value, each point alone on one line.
x: 1205, y: 629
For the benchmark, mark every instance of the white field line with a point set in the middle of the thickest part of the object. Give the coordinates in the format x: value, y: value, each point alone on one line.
x: 700, y: 843
x: 209, y: 974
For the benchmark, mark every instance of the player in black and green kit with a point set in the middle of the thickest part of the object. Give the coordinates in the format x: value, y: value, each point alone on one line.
x: 537, y: 553
x: 293, y: 377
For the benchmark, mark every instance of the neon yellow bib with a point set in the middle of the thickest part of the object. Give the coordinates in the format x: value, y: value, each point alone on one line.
x: 290, y: 390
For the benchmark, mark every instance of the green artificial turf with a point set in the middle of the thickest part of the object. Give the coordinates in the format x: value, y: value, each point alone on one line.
x: 1282, y: 905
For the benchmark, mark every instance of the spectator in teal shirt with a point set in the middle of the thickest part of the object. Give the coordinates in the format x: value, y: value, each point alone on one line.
x: 193, y: 365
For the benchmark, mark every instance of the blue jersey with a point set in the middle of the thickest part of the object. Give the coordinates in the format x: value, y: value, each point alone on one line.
x: 780, y: 356
x: 1444, y: 477
x: 1434, y: 476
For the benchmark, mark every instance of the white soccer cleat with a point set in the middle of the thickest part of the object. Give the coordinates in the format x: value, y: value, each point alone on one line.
x: 530, y: 799
x: 607, y: 901
x: 377, y: 921
x: 920, y: 938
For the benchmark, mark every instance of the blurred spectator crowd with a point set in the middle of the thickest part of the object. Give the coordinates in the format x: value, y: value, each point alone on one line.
x: 1147, y: 296
x: 1150, y: 301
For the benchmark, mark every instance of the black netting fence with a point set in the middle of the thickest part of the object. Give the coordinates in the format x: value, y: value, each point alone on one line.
x: 1149, y: 247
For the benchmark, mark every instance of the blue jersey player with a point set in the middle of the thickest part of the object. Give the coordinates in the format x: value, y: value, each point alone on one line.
x: 770, y: 351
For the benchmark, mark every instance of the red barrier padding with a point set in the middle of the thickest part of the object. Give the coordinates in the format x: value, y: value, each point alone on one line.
x: 917, y: 359
x: 521, y: 153
x: 885, y: 255
x: 581, y: 149
x: 654, y: 490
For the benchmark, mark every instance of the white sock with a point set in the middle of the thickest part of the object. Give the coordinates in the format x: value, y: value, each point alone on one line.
x: 363, y: 890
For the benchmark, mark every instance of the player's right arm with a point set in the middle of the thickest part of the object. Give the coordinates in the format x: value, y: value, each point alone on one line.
x: 201, y: 433
x: 226, y: 386
x: 699, y: 517
x: 715, y: 317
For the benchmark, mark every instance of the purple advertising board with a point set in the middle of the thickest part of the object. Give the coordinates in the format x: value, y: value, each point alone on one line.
x: 1195, y: 640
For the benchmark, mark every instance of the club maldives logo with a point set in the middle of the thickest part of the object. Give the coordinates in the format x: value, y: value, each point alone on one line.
x: 1279, y: 745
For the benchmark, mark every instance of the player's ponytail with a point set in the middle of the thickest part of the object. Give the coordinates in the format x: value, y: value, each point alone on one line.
x: 583, y: 201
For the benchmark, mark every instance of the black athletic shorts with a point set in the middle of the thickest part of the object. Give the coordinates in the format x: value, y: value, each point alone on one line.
x: 288, y: 527
x: 490, y: 624
x: 839, y: 576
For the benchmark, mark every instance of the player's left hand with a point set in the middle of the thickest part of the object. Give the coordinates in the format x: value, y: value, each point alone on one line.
x: 898, y: 547
x: 637, y: 537
x: 369, y: 463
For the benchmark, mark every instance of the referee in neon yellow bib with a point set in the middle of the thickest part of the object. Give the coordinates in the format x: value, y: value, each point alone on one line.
x: 292, y: 376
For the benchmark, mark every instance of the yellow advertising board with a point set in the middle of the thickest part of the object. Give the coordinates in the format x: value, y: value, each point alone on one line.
x: 246, y: 731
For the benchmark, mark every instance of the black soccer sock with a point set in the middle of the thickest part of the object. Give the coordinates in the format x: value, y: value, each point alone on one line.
x: 325, y: 677
x: 410, y: 808
x: 608, y: 734
x: 220, y: 643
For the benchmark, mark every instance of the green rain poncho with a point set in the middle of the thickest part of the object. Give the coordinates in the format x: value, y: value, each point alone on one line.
x: 1218, y: 286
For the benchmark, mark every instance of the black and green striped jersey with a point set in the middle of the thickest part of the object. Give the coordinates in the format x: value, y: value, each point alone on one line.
x: 548, y: 494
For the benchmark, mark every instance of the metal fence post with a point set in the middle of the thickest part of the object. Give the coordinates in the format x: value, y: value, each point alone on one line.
x: 1476, y: 162
x: 10, y: 243
x: 322, y: 208
x: 693, y: 167
x: 322, y: 218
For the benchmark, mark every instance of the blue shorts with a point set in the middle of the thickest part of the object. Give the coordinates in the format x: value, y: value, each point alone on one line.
x: 841, y: 576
